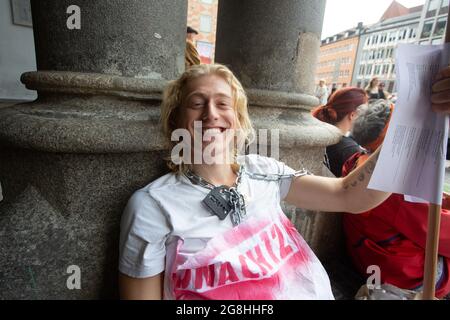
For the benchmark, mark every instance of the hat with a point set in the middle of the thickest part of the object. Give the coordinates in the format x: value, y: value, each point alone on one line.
x: 191, y: 30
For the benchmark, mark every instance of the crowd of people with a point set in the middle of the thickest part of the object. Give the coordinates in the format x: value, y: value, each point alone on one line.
x: 375, y: 90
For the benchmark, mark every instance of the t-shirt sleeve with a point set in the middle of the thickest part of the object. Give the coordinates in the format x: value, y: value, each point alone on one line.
x: 270, y: 166
x: 143, y: 232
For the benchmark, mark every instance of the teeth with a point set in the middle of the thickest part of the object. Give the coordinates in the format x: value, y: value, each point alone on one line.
x: 212, y: 131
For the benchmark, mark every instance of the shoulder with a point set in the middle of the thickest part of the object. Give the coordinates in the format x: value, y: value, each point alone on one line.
x: 259, y: 164
x: 143, y: 198
x: 349, y: 141
x: 169, y: 180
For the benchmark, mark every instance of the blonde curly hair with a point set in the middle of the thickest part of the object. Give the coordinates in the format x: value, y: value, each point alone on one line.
x: 173, y: 100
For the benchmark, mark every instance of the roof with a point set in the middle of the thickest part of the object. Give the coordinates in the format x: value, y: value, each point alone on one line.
x: 349, y: 33
x: 416, y: 9
x: 394, y: 10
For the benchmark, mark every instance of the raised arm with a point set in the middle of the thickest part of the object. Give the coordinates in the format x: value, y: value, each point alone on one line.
x: 349, y: 194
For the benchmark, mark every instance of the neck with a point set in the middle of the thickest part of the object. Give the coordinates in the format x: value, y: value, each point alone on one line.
x: 217, y: 174
x: 343, y: 126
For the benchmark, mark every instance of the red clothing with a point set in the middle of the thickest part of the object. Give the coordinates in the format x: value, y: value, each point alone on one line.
x: 393, y: 236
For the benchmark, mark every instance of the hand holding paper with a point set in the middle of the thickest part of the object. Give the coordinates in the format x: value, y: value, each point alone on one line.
x: 441, y: 92
x: 412, y: 158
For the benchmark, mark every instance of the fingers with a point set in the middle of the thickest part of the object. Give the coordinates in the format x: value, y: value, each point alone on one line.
x: 441, y: 108
x: 440, y: 97
x: 444, y: 73
x: 441, y: 85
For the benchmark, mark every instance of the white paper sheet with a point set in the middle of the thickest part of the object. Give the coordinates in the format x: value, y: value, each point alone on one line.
x: 412, y: 159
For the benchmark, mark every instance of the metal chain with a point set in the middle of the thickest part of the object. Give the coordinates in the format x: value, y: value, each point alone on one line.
x: 234, y: 197
x: 232, y: 194
x: 277, y: 177
x: 197, y: 180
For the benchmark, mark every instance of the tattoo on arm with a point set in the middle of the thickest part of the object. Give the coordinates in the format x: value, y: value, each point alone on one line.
x: 369, y: 167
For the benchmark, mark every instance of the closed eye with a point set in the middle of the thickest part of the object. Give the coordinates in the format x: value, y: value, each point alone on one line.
x: 196, y: 105
x: 224, y: 104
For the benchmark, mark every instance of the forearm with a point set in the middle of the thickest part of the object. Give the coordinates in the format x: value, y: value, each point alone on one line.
x: 357, y: 196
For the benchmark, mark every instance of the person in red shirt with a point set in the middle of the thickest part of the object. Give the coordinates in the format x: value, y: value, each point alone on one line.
x: 392, y: 235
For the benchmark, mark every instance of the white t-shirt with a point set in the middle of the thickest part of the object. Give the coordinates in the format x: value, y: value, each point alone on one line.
x: 165, y: 227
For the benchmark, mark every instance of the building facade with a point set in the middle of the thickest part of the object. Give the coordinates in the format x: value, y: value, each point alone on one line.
x: 433, y: 22
x: 337, y: 57
x: 376, y: 51
x: 17, y: 53
x: 202, y: 16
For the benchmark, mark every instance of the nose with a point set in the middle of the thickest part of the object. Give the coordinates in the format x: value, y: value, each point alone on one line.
x: 210, y: 113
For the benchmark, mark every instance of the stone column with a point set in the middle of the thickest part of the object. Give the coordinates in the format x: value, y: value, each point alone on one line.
x: 273, y: 48
x: 70, y: 160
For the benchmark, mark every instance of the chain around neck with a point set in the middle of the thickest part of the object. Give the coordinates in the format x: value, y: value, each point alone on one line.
x: 198, y: 180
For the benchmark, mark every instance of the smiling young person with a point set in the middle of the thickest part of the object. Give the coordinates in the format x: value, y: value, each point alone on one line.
x: 217, y: 230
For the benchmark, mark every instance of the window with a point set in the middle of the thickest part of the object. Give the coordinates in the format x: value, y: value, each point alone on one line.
x: 390, y: 53
x: 205, y: 50
x: 439, y: 30
x: 369, y: 70
x: 412, y: 33
x: 444, y: 7
x: 432, y: 8
x: 377, y: 69
x: 375, y: 39
x: 358, y: 84
x: 208, y: 1
x: 205, y: 23
x: 392, y: 37
x: 427, y: 27
x: 402, y: 34
x: 361, y: 70
x: 436, y: 41
x: 391, y: 86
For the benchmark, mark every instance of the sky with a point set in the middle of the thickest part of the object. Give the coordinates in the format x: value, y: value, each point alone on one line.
x: 341, y: 15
